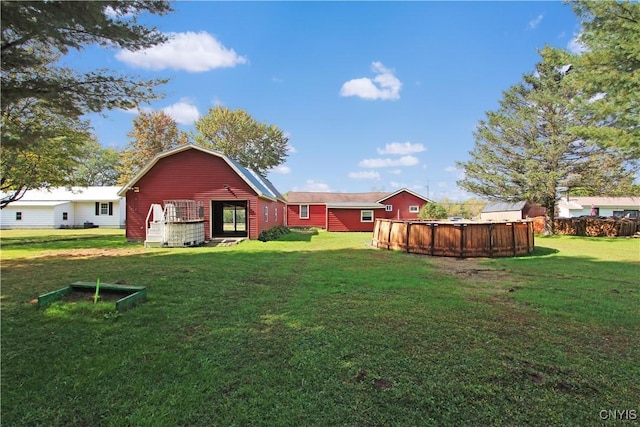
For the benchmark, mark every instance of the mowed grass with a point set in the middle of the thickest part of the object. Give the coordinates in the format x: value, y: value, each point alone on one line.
x: 319, y: 330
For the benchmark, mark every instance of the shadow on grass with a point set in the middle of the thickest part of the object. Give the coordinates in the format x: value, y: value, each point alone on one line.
x: 542, y: 251
x: 298, y: 236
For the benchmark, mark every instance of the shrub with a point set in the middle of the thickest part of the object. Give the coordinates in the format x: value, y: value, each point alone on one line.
x: 273, y: 233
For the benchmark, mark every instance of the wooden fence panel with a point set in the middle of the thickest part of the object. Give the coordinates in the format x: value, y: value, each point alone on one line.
x: 476, y: 241
x: 421, y: 237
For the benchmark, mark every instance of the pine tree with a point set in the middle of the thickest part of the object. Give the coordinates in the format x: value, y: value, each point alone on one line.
x: 526, y: 151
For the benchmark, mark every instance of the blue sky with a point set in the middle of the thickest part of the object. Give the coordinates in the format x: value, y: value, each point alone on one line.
x: 373, y: 96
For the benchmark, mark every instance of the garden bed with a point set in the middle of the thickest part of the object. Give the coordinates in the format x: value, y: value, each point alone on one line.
x: 123, y: 296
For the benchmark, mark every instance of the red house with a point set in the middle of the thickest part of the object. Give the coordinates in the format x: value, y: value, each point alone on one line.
x: 190, y: 184
x: 350, y: 211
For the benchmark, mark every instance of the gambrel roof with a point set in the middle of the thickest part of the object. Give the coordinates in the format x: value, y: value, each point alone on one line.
x: 261, y: 185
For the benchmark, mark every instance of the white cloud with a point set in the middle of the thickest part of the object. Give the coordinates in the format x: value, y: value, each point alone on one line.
x: 401, y: 148
x: 126, y: 12
x: 282, y: 170
x: 459, y: 173
x: 536, y: 21
x: 575, y: 46
x: 365, y: 175
x: 190, y: 51
x: 396, y: 184
x: 312, y: 185
x: 389, y: 163
x: 183, y: 112
x: 291, y: 149
x: 396, y: 172
x: 385, y: 85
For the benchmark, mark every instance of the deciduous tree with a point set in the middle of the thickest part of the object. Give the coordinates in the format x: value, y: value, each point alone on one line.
x: 43, y: 102
x: 36, y: 34
x: 50, y: 157
x: 257, y: 146
x: 152, y: 133
x: 432, y: 210
x: 97, y: 165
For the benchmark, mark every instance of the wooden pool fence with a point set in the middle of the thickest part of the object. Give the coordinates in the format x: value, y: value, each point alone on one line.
x: 455, y: 239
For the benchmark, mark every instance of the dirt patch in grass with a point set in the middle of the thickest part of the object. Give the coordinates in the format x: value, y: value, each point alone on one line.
x: 468, y: 268
x: 89, y: 253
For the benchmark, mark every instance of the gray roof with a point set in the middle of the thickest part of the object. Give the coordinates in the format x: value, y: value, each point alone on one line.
x: 504, y: 207
x: 355, y: 205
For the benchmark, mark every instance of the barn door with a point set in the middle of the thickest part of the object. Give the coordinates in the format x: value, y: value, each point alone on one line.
x: 229, y: 218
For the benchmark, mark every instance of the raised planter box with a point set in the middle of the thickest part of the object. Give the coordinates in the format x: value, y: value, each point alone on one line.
x: 128, y: 295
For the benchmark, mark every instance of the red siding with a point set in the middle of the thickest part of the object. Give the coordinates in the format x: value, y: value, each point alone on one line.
x: 317, y: 216
x: 401, y: 203
x: 349, y: 219
x: 189, y: 175
x: 270, y: 220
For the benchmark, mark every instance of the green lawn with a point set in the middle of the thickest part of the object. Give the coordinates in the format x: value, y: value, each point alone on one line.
x: 320, y: 330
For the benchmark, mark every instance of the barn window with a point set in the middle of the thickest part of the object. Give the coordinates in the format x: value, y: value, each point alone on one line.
x: 414, y: 209
x: 266, y: 214
x: 275, y: 214
x: 18, y: 216
x: 388, y: 208
x: 366, y: 216
x: 304, y: 211
x: 65, y: 216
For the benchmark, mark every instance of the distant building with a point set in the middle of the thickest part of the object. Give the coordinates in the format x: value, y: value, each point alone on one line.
x: 503, y: 211
x: 351, y: 211
x: 66, y: 207
x: 620, y: 207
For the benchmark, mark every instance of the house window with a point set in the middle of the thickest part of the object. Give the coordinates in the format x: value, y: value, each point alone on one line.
x: 304, y: 211
x: 388, y: 208
x: 18, y: 216
x: 266, y: 214
x: 65, y: 216
x: 104, y: 208
x: 366, y: 216
x: 414, y: 209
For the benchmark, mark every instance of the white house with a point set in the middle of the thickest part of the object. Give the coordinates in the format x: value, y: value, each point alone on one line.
x: 66, y: 207
x: 620, y: 207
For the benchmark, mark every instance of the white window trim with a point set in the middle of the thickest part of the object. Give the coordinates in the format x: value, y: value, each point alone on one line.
x: 266, y: 214
x: 300, y: 212
x: 388, y: 208
x: 414, y: 209
x: 275, y: 214
x: 362, y: 216
x: 104, y: 208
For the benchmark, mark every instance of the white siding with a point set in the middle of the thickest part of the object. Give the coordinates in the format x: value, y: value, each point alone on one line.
x: 86, y: 212
x: 32, y: 217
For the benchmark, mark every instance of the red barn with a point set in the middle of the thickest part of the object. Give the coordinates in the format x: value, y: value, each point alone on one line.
x: 230, y: 200
x: 350, y: 211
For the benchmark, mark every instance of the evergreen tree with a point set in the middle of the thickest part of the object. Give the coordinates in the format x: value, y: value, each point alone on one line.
x: 607, y: 73
x: 525, y: 150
